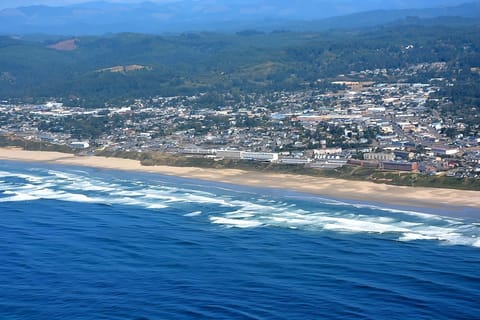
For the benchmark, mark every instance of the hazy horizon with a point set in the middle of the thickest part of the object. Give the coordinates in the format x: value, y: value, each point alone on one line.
x: 398, y: 4
x: 57, y: 3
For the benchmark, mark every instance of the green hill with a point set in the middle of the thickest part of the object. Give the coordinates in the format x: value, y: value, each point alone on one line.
x: 116, y: 67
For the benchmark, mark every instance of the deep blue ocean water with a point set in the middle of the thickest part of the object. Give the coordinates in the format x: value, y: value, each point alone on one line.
x: 79, y: 243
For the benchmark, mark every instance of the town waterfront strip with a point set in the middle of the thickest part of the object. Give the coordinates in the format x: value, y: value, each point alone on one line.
x: 328, y: 187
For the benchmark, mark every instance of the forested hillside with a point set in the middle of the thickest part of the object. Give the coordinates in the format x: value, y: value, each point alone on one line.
x: 95, y: 70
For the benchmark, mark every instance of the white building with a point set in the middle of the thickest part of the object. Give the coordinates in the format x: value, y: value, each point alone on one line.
x: 325, y: 151
x: 79, y: 144
x: 444, y: 151
x: 260, y: 156
x: 229, y: 154
x: 295, y: 160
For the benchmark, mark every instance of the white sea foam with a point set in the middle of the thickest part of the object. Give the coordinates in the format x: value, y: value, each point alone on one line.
x: 352, y: 225
x: 5, y: 174
x: 193, y: 214
x: 28, y: 187
x: 406, y: 212
x: 157, y: 206
x: 46, y: 193
x: 19, y: 197
x: 130, y: 202
x: 64, y: 176
x: 458, y: 239
x: 476, y: 243
x: 238, y: 223
x: 166, y: 197
x: 189, y: 197
x: 74, y: 197
x: 381, y: 208
x: 249, y: 212
x: 63, y: 196
x: 27, y: 177
x: 451, y: 231
x: 408, y: 236
x: 240, y: 214
x: 91, y: 186
x: 128, y: 193
x: 407, y: 224
x: 196, y: 198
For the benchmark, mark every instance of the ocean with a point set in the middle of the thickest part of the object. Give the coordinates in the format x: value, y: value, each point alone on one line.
x: 85, y: 243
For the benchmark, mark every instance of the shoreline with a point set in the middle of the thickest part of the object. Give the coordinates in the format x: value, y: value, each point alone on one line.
x: 328, y: 187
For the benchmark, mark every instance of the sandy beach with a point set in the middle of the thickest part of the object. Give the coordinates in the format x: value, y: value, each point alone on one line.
x: 329, y: 187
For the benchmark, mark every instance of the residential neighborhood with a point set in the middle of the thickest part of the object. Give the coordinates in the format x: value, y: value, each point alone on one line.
x: 391, y: 126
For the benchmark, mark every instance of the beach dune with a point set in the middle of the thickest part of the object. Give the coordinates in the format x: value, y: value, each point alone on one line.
x: 329, y: 187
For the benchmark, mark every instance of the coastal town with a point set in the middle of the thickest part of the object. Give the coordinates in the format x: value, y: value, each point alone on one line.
x: 390, y: 126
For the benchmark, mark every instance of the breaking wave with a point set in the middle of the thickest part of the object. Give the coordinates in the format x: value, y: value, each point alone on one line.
x: 231, y: 208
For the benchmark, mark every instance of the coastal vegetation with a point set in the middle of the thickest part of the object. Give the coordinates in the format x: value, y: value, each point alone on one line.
x: 32, y: 145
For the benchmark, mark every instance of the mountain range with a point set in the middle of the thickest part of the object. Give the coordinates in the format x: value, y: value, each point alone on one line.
x: 220, y: 15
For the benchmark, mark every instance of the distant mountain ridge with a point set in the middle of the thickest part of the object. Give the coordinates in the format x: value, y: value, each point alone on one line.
x: 461, y: 13
x: 219, y: 15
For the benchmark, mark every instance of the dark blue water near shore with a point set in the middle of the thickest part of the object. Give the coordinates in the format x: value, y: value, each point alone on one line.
x: 80, y: 243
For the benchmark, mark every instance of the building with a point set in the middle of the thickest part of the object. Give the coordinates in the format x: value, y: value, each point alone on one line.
x: 247, y: 155
x: 295, y: 161
x: 444, y: 151
x: 328, y: 164
x: 363, y: 163
x: 399, y: 166
x: 406, y: 155
x: 325, y: 151
x: 198, y: 151
x: 379, y: 156
x: 229, y: 154
x: 79, y: 144
x: 260, y: 156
